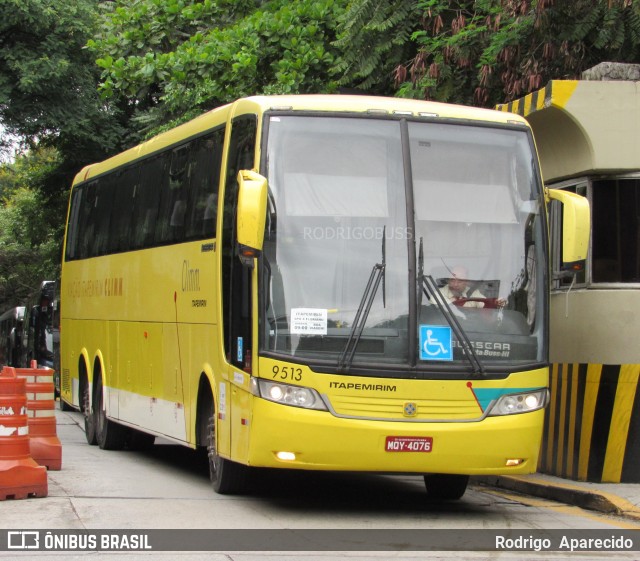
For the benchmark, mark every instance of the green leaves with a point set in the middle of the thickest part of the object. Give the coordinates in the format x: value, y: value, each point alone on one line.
x: 47, y: 78
x: 30, y: 235
x: 196, y: 55
x: 374, y: 37
x: 485, y: 52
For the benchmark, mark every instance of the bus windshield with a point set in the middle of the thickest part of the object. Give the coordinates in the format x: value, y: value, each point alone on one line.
x: 385, y: 234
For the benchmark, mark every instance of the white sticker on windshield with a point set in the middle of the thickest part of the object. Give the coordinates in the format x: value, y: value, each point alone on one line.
x: 309, y: 321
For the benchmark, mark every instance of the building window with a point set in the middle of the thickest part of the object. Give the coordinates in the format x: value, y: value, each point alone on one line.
x: 615, y: 231
x: 614, y: 254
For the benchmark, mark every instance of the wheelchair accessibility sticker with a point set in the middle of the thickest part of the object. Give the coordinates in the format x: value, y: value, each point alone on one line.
x: 435, y: 343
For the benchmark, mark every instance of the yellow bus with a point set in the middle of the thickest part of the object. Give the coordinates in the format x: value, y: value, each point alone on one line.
x: 268, y: 281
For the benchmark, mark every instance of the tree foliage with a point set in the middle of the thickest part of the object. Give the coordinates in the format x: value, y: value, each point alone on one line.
x: 374, y: 37
x: 485, y: 52
x: 174, y: 59
x: 48, y: 79
x: 49, y: 98
x: 30, y: 227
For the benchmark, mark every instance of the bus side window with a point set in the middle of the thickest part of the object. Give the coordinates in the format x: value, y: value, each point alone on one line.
x: 119, y: 229
x: 205, y: 163
x: 174, y: 191
x: 73, y: 239
x: 101, y: 215
x: 146, y: 202
x: 86, y: 229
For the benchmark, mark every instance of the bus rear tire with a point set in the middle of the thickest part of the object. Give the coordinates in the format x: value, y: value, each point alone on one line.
x: 227, y: 477
x: 445, y: 487
x: 109, y: 435
x: 89, y: 414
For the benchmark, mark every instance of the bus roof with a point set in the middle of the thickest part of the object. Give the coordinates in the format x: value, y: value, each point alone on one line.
x: 320, y: 103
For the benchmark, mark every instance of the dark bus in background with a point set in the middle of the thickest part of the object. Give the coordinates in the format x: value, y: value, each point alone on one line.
x: 41, y: 334
x: 11, y: 326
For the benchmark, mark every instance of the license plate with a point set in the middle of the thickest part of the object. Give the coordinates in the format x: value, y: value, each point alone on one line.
x: 408, y: 444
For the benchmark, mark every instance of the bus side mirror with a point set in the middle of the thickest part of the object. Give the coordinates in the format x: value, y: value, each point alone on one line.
x: 576, y: 227
x: 252, y: 212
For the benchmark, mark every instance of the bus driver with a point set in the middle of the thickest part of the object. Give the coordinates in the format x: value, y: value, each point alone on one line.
x: 456, y: 291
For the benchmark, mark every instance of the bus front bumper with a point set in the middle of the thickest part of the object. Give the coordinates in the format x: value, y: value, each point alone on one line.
x: 290, y: 437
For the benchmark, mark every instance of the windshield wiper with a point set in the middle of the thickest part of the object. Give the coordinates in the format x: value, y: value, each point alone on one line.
x: 428, y: 286
x: 377, y: 275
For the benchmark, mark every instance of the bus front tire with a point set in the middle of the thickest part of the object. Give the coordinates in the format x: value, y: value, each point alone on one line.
x: 227, y: 477
x: 445, y: 487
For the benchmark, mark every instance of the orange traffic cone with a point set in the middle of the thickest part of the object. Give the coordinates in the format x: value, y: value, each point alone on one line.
x: 20, y: 475
x: 45, y: 446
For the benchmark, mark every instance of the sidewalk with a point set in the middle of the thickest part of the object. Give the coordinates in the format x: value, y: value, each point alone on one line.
x: 622, y: 499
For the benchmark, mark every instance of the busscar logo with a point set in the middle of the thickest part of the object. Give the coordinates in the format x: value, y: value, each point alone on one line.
x: 23, y: 540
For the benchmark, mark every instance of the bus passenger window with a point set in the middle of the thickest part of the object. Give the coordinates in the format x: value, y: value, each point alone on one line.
x: 86, y: 229
x: 146, y: 202
x: 124, y: 186
x: 73, y: 239
x: 204, y: 176
x: 102, y: 214
x: 173, y: 197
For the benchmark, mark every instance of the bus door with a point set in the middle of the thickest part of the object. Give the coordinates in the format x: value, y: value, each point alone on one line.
x: 233, y: 393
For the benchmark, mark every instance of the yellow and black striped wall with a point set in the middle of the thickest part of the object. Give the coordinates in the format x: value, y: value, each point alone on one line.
x: 592, y: 426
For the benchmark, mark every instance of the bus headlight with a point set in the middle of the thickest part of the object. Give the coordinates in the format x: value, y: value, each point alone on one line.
x: 286, y: 394
x: 520, y: 403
